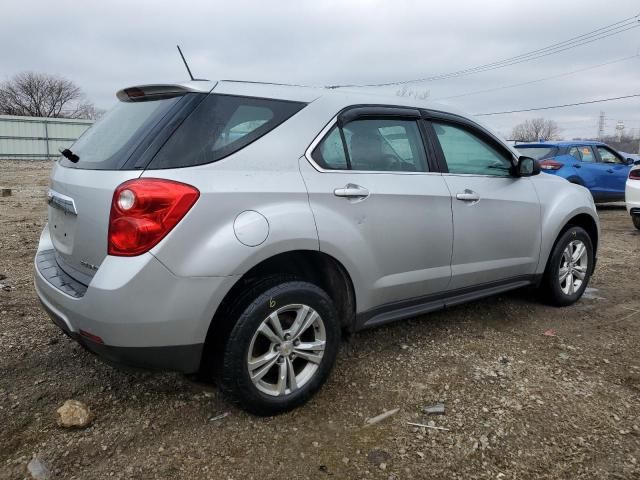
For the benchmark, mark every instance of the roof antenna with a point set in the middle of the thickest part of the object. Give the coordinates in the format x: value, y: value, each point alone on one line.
x: 185, y: 63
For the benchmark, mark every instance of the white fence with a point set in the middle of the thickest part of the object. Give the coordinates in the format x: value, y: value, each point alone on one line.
x: 36, y: 138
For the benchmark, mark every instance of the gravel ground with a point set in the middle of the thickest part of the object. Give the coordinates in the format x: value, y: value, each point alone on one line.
x: 519, y: 404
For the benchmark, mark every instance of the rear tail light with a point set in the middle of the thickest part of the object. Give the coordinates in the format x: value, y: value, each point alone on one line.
x: 143, y: 211
x: 551, y: 165
x: 634, y: 174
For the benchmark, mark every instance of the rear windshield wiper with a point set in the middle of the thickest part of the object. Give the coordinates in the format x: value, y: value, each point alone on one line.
x: 68, y: 154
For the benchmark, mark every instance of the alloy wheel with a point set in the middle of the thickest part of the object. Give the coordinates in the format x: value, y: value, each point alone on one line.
x: 286, y: 350
x: 574, y: 264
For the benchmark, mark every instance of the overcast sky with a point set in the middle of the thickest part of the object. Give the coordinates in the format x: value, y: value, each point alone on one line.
x: 106, y: 45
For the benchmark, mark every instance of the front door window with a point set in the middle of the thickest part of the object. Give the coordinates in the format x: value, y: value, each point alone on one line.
x: 466, y: 153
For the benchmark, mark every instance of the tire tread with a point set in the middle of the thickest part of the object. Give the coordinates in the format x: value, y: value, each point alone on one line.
x: 233, y: 381
x: 549, y: 287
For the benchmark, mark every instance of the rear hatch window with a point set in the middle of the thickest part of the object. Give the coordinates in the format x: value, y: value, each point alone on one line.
x: 222, y: 125
x: 538, y: 153
x: 110, y: 142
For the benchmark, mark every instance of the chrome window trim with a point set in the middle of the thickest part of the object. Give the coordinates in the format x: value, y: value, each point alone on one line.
x: 479, y: 175
x: 320, y: 137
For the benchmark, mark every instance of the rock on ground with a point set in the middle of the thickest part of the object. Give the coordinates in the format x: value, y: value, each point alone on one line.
x: 74, y: 414
x: 38, y: 469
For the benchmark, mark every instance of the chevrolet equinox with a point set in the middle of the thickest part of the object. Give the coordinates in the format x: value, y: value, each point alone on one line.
x: 240, y: 228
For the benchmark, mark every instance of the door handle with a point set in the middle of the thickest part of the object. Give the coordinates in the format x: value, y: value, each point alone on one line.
x: 351, y: 190
x: 577, y: 165
x: 468, y: 196
x: 609, y: 171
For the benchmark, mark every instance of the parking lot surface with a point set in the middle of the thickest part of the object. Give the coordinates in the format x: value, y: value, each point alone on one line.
x: 530, y: 391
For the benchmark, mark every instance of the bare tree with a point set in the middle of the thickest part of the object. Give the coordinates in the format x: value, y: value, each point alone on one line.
x: 536, y: 129
x: 41, y: 95
x: 624, y: 143
x: 405, y: 91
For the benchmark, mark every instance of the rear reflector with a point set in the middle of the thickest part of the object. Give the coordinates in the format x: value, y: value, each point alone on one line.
x: 144, y: 211
x: 634, y: 174
x: 91, y: 336
x: 550, y: 165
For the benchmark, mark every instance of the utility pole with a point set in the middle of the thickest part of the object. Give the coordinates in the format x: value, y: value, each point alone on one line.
x: 620, y: 129
x: 601, y: 126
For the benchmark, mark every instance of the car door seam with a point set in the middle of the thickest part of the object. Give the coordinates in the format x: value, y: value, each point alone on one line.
x: 453, y: 230
x: 313, y: 214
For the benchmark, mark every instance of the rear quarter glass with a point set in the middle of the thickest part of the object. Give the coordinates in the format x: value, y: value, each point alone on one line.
x: 111, y: 141
x: 222, y: 125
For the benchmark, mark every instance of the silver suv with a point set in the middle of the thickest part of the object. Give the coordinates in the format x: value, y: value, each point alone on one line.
x: 238, y: 229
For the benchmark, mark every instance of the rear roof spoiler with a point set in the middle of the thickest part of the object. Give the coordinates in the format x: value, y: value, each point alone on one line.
x: 155, y: 91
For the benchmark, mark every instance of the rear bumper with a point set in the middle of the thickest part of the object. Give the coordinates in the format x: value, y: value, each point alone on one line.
x: 181, y: 358
x: 632, y: 196
x: 145, y: 315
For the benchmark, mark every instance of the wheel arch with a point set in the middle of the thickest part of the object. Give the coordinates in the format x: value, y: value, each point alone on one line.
x: 313, y: 266
x: 587, y: 222
x: 581, y: 219
x: 575, y: 179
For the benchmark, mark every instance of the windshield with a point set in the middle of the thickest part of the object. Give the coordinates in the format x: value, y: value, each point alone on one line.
x: 537, y: 153
x: 108, y: 144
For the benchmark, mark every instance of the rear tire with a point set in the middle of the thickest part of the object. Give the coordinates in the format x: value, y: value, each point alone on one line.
x: 569, y: 268
x: 636, y: 221
x: 281, y: 349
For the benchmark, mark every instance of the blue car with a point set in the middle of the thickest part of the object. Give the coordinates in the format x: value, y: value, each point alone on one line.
x: 594, y: 165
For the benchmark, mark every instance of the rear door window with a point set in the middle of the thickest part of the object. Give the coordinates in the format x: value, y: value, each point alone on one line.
x: 587, y: 154
x: 222, y: 125
x: 373, y: 145
x: 385, y: 145
x: 575, y: 153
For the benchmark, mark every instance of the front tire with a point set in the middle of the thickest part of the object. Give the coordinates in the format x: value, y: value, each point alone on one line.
x: 281, y: 349
x: 569, y: 268
x: 636, y: 221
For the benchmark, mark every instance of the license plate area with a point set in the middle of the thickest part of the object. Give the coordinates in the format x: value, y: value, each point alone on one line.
x: 62, y: 221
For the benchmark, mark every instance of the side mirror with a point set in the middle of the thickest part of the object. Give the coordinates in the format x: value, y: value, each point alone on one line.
x: 527, y: 167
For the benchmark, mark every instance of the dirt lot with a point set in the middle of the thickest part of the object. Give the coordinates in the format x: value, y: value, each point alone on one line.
x: 519, y: 404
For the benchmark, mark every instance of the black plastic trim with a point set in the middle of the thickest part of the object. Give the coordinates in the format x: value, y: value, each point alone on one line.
x: 438, y: 156
x: 347, y: 156
x: 608, y: 197
x: 433, y: 163
x: 358, y: 112
x: 54, y: 274
x: 179, y: 358
x: 403, y: 309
